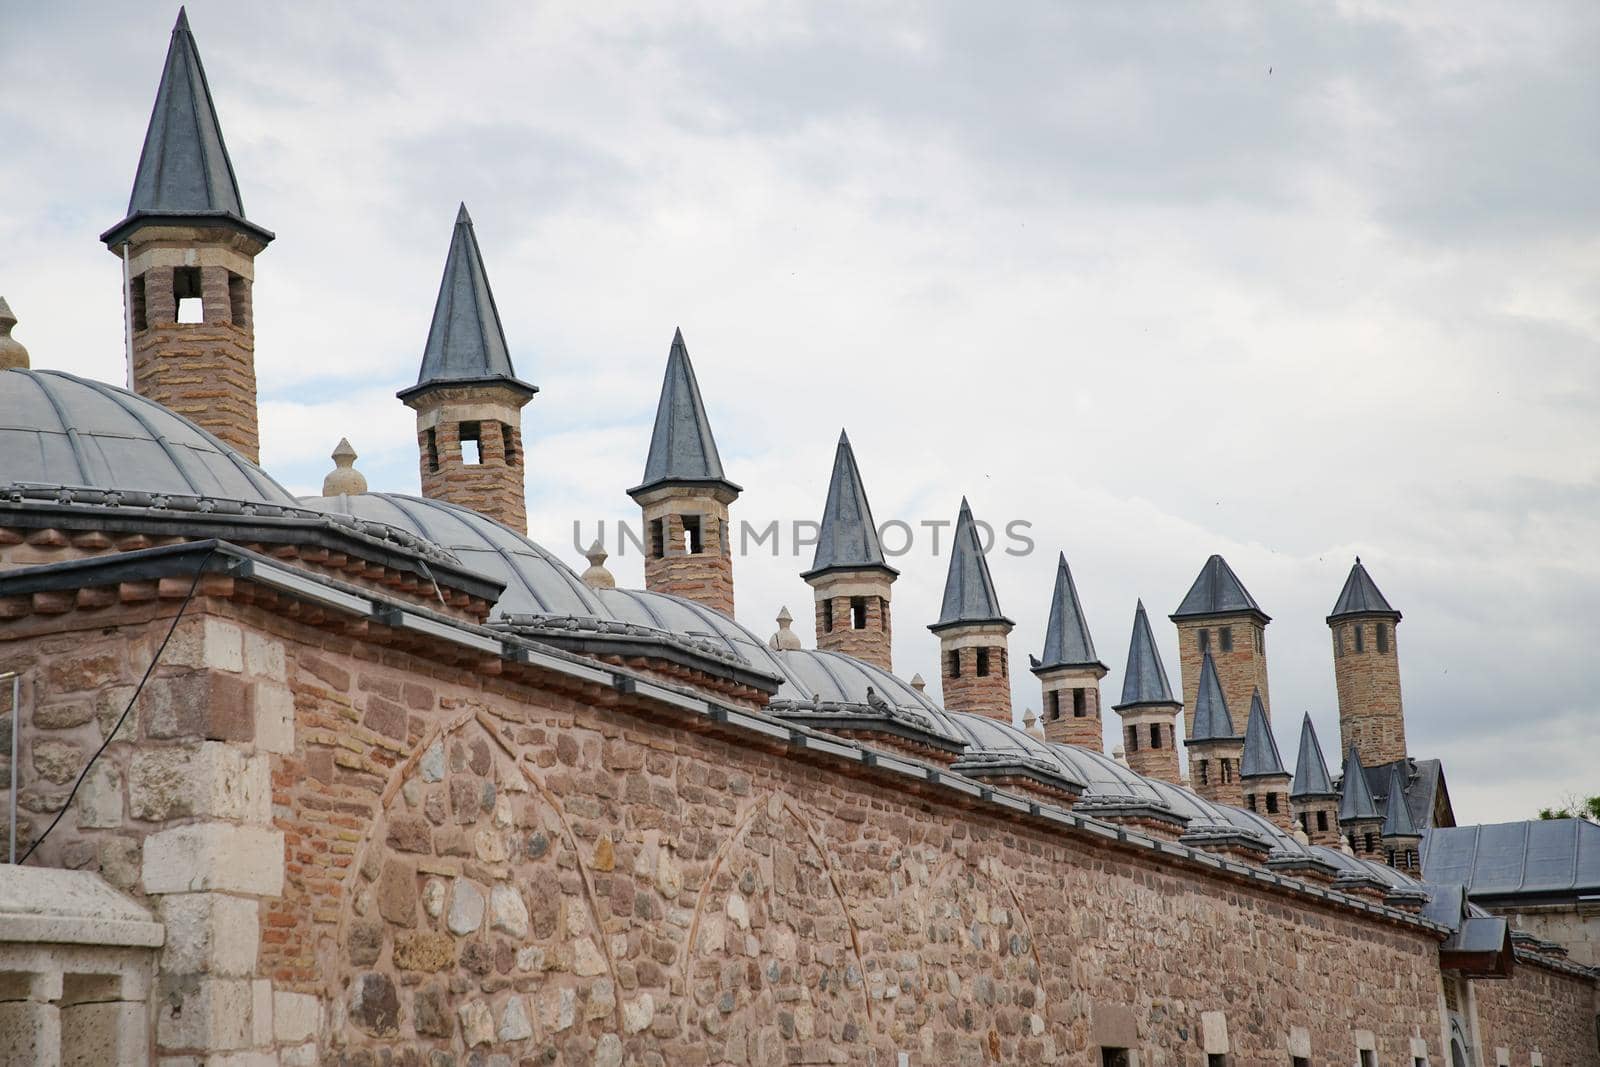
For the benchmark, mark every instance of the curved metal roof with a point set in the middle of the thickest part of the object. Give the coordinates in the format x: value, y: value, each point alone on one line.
x: 57, y: 429
x: 537, y: 583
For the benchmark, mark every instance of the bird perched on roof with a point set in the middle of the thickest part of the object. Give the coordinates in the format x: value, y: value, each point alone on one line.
x: 876, y: 702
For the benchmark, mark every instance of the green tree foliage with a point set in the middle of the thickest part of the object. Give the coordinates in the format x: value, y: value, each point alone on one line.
x: 1575, y: 807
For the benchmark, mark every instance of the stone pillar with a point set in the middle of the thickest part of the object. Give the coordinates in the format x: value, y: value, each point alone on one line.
x: 975, y: 668
x: 1150, y: 739
x: 1366, y: 671
x: 688, y: 550
x: 203, y: 370
x: 853, y: 614
x: 469, y: 446
x: 1071, y: 709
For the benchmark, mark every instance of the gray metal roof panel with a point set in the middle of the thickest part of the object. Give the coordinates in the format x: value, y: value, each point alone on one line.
x: 1422, y: 779
x: 1355, y: 796
x: 1211, y: 719
x: 1145, y: 679
x: 848, y: 537
x: 466, y: 341
x: 1311, y: 778
x: 681, y: 446
x: 184, y: 170
x: 1261, y: 756
x: 1217, y: 591
x: 1067, y: 641
x: 969, y: 594
x: 1360, y: 596
x: 1543, y: 856
x: 59, y: 429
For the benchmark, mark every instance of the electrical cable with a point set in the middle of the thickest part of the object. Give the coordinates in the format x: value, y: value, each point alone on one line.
x: 199, y: 573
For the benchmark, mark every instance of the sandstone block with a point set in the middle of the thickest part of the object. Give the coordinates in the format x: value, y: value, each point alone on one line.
x: 431, y: 1013
x: 57, y: 761
x: 61, y: 716
x: 296, y: 1017
x: 586, y: 959
x: 432, y: 764
x: 374, y: 1005
x: 211, y: 779
x: 397, y: 892
x: 203, y: 1012
x: 264, y: 656
x: 206, y: 643
x: 514, y: 1022
x: 31, y: 1031
x: 510, y: 914
x: 214, y: 856
x: 417, y: 950
x: 477, y: 1023
x: 274, y: 711
x: 466, y: 908
x: 638, y: 1013
x: 100, y: 798
x: 202, y: 704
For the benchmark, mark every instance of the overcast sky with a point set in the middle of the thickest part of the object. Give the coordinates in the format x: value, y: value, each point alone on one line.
x: 1284, y: 282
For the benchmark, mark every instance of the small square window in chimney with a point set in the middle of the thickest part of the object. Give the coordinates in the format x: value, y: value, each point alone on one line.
x: 471, y: 444
x: 186, y: 294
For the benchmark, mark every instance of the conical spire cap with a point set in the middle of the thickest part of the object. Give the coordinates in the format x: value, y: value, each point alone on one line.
x: 1311, y: 778
x: 466, y: 342
x: 1260, y: 759
x: 1211, y: 719
x: 1144, y: 681
x: 969, y: 595
x: 682, y: 450
x: 184, y: 175
x: 1397, y: 820
x: 1355, y: 795
x: 1067, y: 642
x: 1218, y: 591
x: 848, y: 537
x: 1360, y: 596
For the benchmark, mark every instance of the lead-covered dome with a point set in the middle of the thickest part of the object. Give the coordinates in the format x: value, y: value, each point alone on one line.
x: 63, y: 432
x: 537, y: 583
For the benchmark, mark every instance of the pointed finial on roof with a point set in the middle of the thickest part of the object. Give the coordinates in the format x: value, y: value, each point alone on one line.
x: 1030, y: 724
x: 596, y: 576
x: 918, y: 682
x: 1119, y: 755
x: 681, y: 446
x: 344, y: 479
x: 1397, y: 820
x: 1261, y: 757
x: 1311, y: 778
x: 184, y: 172
x: 848, y: 537
x: 1360, y: 596
x: 1145, y: 679
x: 1218, y: 591
x: 12, y: 352
x: 466, y: 342
x: 785, y: 638
x: 1355, y: 795
x: 1067, y: 642
x: 969, y: 594
x: 1211, y: 719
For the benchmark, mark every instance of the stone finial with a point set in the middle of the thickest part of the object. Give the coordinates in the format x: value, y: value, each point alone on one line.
x: 12, y: 354
x: 917, y: 683
x: 1030, y: 723
x: 597, y: 577
x: 1301, y: 836
x: 785, y: 638
x: 1120, y: 754
x: 1344, y: 846
x: 344, y: 479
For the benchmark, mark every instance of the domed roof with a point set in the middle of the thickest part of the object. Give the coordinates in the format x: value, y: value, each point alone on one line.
x: 59, y: 430
x: 537, y: 583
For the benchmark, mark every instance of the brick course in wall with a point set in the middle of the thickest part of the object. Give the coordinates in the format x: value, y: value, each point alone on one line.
x: 1371, y: 715
x: 1540, y: 1009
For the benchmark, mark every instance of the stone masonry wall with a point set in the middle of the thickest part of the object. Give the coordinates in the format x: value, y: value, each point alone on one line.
x: 1142, y: 758
x: 365, y: 858
x: 1216, y: 784
x: 494, y: 485
x: 705, y: 576
x: 1241, y: 671
x: 204, y: 371
x: 1538, y: 1010
x: 1371, y: 715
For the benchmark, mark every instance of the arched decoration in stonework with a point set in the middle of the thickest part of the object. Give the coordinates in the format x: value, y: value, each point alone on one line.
x: 966, y: 958
x: 469, y: 918
x: 773, y: 968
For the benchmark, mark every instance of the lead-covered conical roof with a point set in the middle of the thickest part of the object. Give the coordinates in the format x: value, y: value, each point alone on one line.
x: 682, y: 449
x: 1145, y: 679
x: 1311, y: 778
x: 1397, y: 821
x: 1355, y: 796
x: 466, y: 342
x: 1211, y: 719
x: 1360, y: 596
x: 969, y: 595
x: 1218, y: 591
x: 848, y: 537
x: 184, y: 175
x: 1260, y: 759
x: 1067, y: 642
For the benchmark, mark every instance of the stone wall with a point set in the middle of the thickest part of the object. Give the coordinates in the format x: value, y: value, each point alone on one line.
x: 360, y: 854
x: 1540, y: 1009
x: 871, y: 643
x: 705, y: 577
x: 1060, y: 722
x: 961, y: 687
x: 1142, y: 757
x: 1575, y: 927
x: 1368, y: 682
x: 493, y: 486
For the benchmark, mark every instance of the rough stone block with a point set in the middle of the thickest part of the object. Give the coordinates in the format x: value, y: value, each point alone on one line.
x: 203, y: 1012
x: 212, y: 779
x: 203, y: 704
x: 264, y: 656
x: 100, y: 798
x: 296, y: 1017
x: 214, y: 856
x: 31, y: 1032
x: 109, y: 1032
x: 206, y: 643
x: 274, y: 708
x: 210, y: 933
